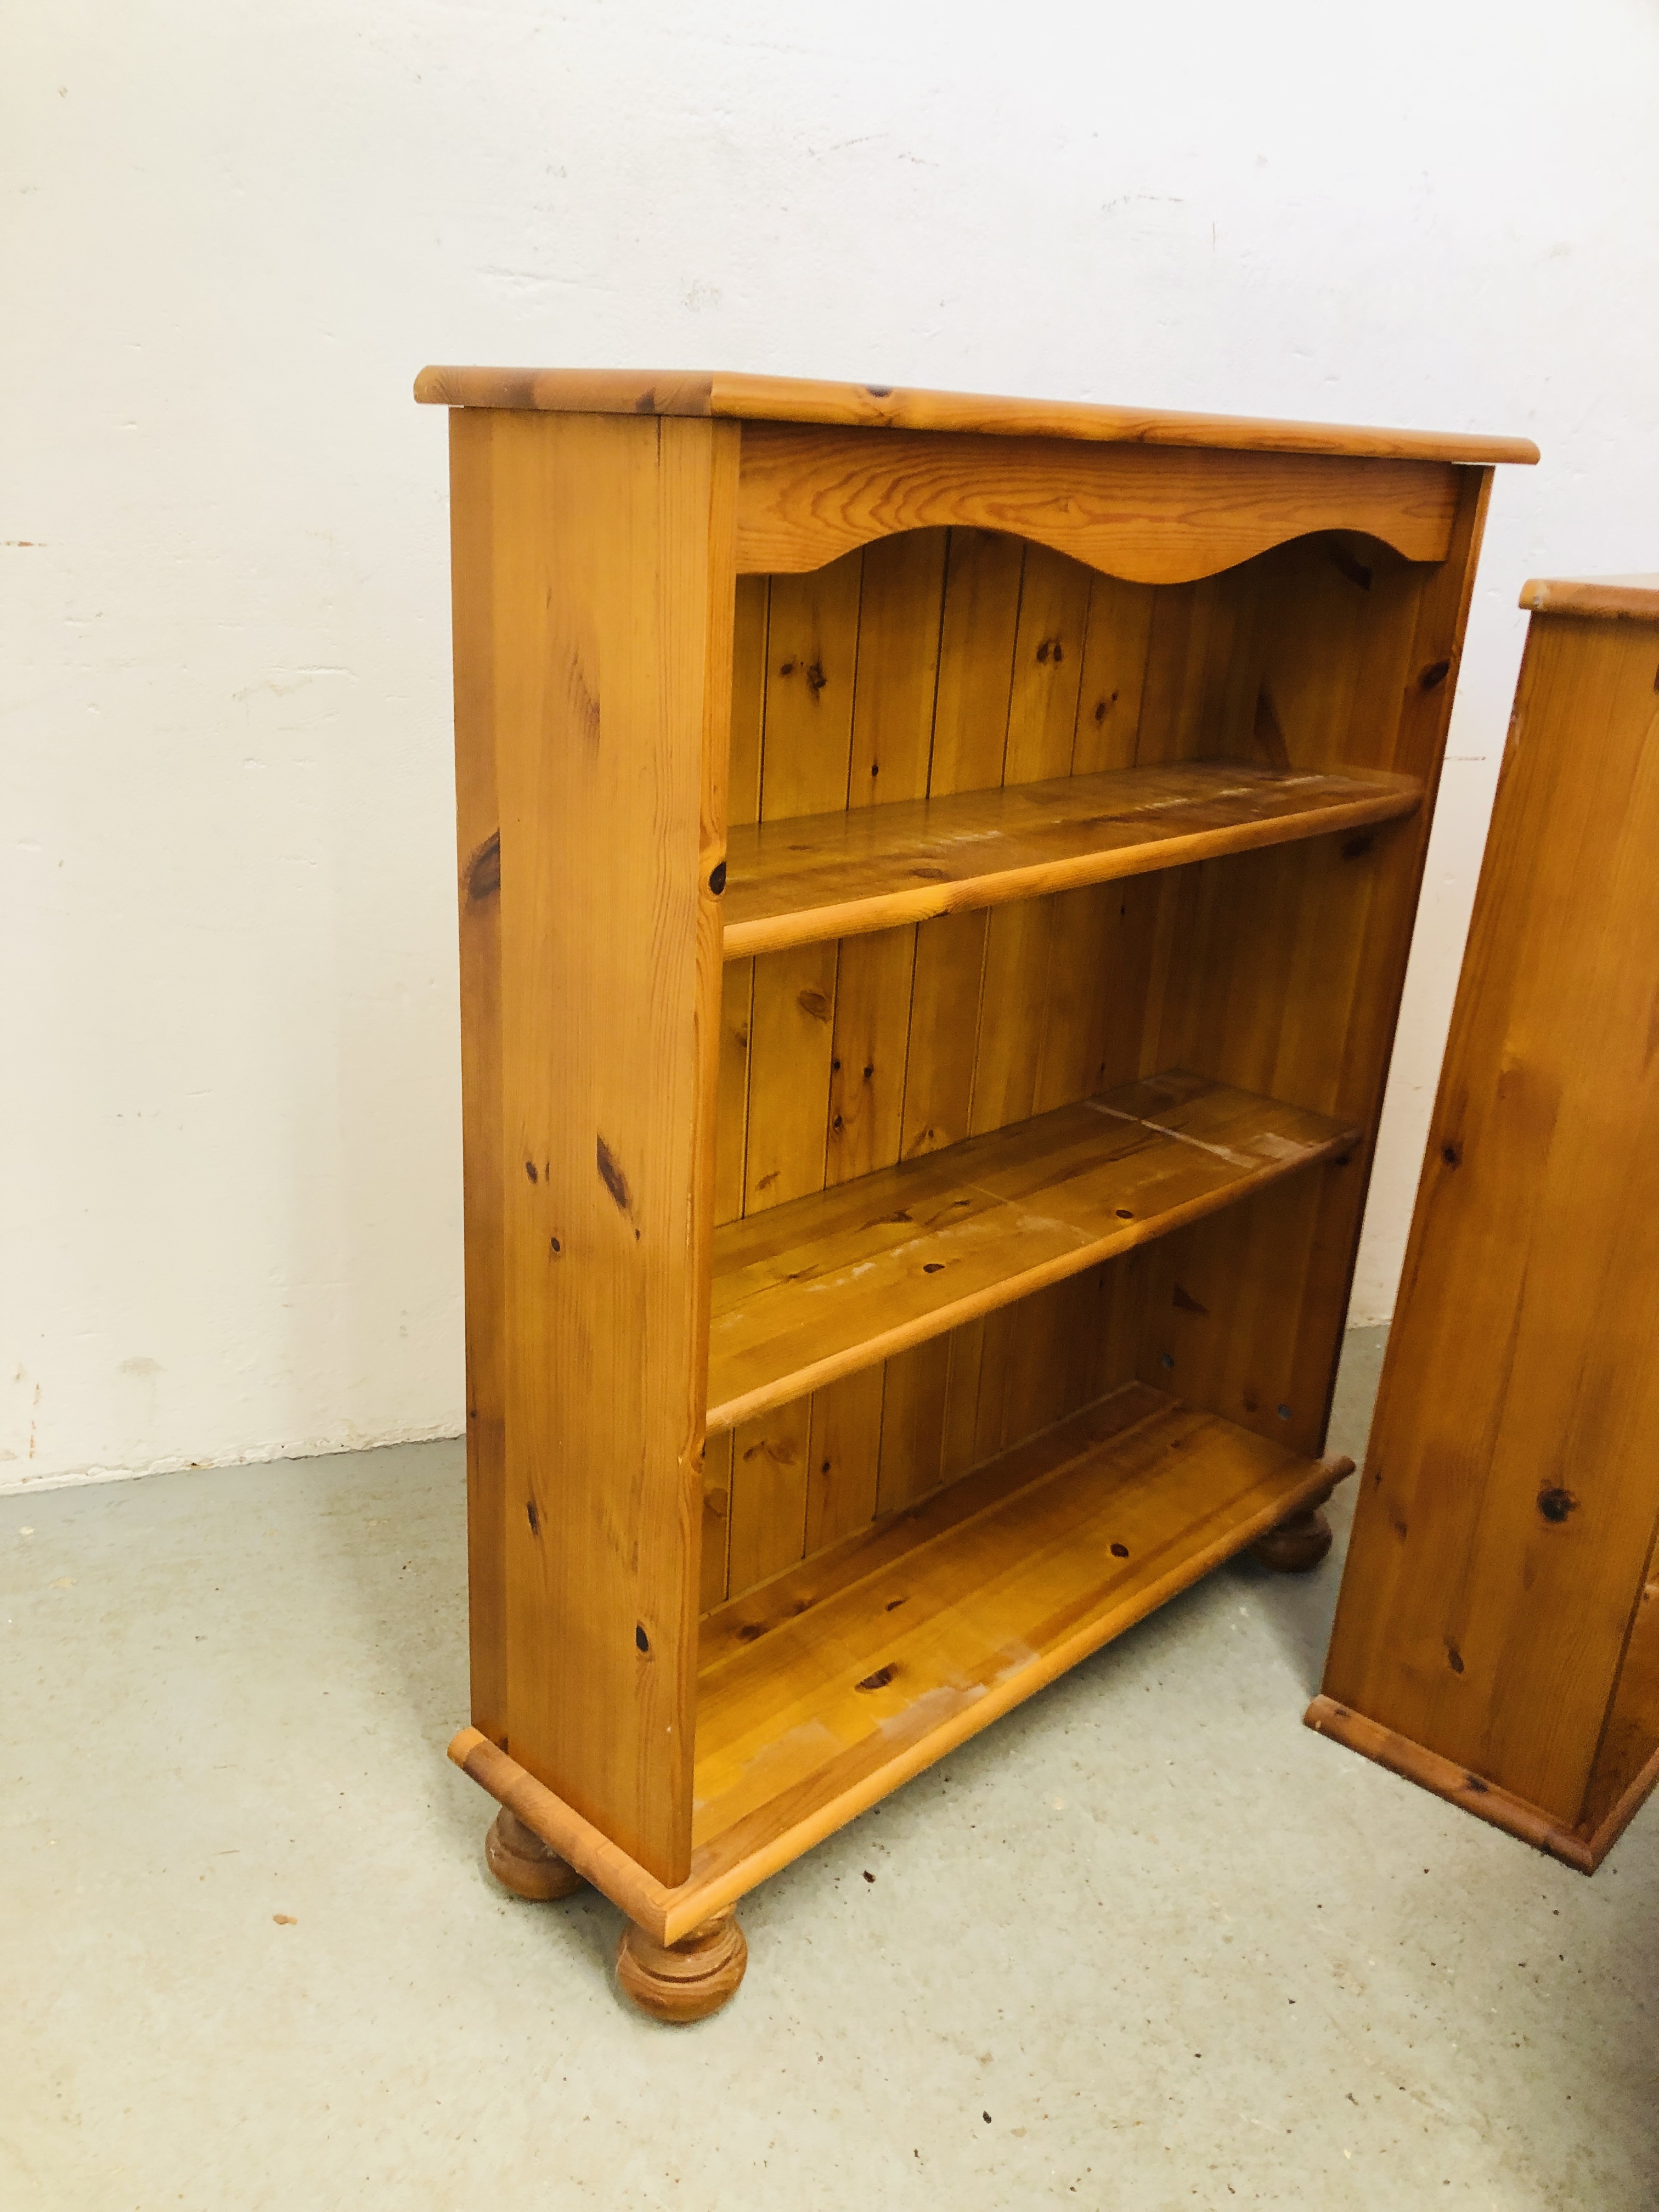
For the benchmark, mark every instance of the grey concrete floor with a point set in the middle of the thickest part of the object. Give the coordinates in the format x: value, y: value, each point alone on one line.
x: 1145, y: 1943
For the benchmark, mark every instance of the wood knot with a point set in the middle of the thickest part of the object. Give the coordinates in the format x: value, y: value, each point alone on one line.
x: 483, y: 870
x: 611, y: 1174
x: 1432, y: 678
x: 1556, y: 1504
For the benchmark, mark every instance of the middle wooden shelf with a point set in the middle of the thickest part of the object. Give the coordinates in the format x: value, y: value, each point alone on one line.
x: 802, y: 879
x: 842, y: 1278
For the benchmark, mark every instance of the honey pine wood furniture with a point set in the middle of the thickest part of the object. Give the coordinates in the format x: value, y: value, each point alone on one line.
x: 936, y: 878
x: 1497, y: 1637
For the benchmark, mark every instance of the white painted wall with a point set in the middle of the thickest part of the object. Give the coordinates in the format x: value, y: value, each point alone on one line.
x: 229, y: 1158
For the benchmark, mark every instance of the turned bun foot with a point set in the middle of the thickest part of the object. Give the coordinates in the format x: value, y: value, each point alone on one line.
x: 687, y: 1980
x: 522, y: 1862
x: 1296, y: 1545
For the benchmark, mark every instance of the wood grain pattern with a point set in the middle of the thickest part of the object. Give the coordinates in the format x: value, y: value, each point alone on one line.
x: 791, y: 1045
x: 604, y: 655
x: 642, y: 1895
x: 913, y: 1424
x: 714, y: 1581
x: 807, y: 496
x: 939, y: 1084
x: 875, y: 1659
x: 731, y: 1118
x: 679, y: 1983
x: 1508, y: 1520
x: 1013, y: 1001
x: 978, y: 624
x: 1053, y: 618
x: 750, y: 615
x: 1284, y: 967
x: 1326, y: 1716
x: 867, y: 1060
x: 722, y: 393
x: 836, y: 874
x: 805, y: 1292
x: 812, y: 630
x: 523, y: 1863
x: 900, y: 603
x: 1628, y: 1753
x: 963, y: 1223
x: 1113, y: 675
x: 845, y: 1457
x: 769, y: 1484
x: 478, y: 817
x: 1634, y: 599
x: 823, y: 1691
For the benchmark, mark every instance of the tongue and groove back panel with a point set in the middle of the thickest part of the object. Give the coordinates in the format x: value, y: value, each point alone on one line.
x: 943, y: 660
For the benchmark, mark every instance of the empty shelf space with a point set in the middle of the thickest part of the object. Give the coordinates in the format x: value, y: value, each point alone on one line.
x: 839, y: 1280
x: 801, y: 880
x: 822, y: 1689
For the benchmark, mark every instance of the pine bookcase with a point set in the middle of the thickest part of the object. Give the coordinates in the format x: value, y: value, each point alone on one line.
x: 936, y: 878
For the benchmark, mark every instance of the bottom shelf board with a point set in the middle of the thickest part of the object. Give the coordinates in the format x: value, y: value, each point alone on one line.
x: 820, y: 1691
x: 823, y: 1689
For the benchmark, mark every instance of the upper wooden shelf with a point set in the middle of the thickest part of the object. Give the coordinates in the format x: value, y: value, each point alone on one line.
x: 877, y: 406
x: 842, y: 1278
x: 800, y: 880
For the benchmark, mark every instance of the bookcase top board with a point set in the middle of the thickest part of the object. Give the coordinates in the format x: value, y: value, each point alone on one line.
x: 1634, y: 598
x: 882, y: 407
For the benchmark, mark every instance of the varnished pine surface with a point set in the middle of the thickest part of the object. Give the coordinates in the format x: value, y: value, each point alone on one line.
x: 1152, y: 516
x: 1630, y: 599
x: 840, y: 1278
x: 791, y: 881
x: 1493, y: 1596
x: 823, y: 1691
x: 1448, y: 1778
x: 592, y: 966
x: 817, y: 1691
x: 805, y: 399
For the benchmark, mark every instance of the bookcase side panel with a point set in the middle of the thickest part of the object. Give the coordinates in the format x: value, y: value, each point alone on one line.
x: 594, y: 641
x: 1511, y: 1495
x: 477, y: 819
